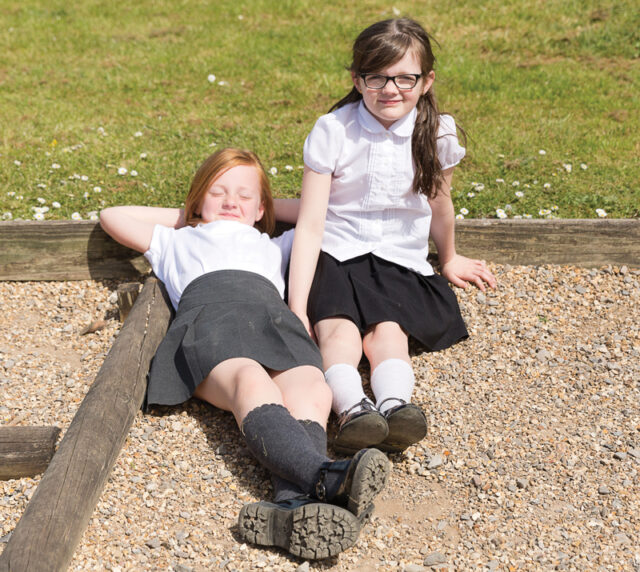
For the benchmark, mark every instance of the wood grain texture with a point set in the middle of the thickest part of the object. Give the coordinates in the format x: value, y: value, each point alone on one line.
x: 55, y: 518
x: 78, y: 250
x: 26, y: 451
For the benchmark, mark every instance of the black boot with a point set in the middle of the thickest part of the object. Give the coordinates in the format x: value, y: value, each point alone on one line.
x: 355, y: 482
x: 305, y: 527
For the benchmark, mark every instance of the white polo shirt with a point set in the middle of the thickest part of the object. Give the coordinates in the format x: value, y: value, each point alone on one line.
x: 372, y: 207
x: 180, y: 256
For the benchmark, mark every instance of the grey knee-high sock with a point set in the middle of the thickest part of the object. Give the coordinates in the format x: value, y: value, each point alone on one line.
x: 283, y: 446
x: 285, y: 490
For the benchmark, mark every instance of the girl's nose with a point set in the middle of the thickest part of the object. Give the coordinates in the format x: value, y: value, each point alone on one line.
x: 229, y: 201
x: 391, y: 87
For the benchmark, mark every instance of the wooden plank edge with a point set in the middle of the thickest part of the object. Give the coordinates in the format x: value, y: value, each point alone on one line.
x: 80, y: 250
x: 59, y: 511
x: 26, y: 451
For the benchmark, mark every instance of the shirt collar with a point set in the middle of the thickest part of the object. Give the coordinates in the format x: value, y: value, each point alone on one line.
x: 401, y: 128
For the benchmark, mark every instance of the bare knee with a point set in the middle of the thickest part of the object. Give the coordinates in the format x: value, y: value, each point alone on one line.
x: 339, y: 340
x: 385, y: 340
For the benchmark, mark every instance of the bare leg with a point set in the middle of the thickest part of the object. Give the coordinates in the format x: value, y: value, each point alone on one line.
x: 305, y: 393
x: 239, y: 385
x: 386, y: 340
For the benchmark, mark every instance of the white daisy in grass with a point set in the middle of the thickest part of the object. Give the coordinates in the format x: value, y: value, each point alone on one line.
x: 134, y: 173
x: 56, y: 205
x: 273, y: 171
x: 601, y: 213
x: 567, y: 167
x: 38, y: 216
x: 526, y: 215
x: 41, y: 186
x: 471, y: 195
x: 547, y: 185
x: 143, y: 155
x: 11, y: 194
x: 542, y: 152
x: 464, y: 211
x: 519, y: 194
x: 515, y: 184
x: 500, y: 181
x: 97, y: 189
x: 211, y: 78
x: 93, y: 215
x: 500, y: 213
x: 459, y: 216
x: 544, y: 212
x: 288, y: 168
x: 7, y: 215
x: 555, y: 208
x: 76, y: 216
x: 86, y: 195
x: 122, y: 171
x: 479, y: 187
x: 55, y: 166
x: 41, y: 200
x: 138, y: 134
x: 517, y: 216
x: 17, y: 163
x: 84, y: 178
x: 583, y: 166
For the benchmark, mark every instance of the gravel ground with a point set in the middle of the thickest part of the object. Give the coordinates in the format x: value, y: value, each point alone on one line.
x: 531, y: 463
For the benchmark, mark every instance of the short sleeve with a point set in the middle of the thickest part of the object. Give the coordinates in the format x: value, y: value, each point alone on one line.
x: 159, y: 240
x: 450, y: 152
x: 323, y: 145
x: 284, y: 242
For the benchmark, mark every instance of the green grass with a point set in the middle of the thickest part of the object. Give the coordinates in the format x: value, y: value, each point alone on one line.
x: 91, y: 86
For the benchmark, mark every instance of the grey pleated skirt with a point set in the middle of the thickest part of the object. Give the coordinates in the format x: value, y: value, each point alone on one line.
x: 222, y: 315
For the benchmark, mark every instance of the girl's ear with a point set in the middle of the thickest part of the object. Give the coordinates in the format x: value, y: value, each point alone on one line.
x: 260, y: 212
x: 356, y: 81
x: 428, y: 81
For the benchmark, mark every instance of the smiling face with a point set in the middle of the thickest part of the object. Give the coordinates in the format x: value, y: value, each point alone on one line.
x: 234, y: 195
x: 389, y: 104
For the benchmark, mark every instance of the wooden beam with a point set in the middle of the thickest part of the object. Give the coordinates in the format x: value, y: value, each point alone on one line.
x: 26, y: 451
x: 64, y: 250
x: 78, y: 250
x: 60, y: 509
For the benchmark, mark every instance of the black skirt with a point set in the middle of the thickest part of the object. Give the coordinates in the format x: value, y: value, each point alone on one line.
x: 368, y: 290
x: 222, y: 315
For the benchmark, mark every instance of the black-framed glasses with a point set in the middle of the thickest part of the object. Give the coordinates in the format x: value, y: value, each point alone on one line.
x: 404, y: 81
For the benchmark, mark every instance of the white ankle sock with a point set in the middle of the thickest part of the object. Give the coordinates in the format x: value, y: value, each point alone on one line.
x: 346, y: 385
x: 392, y: 378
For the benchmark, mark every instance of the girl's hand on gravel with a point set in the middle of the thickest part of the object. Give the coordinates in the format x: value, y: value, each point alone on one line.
x: 461, y: 271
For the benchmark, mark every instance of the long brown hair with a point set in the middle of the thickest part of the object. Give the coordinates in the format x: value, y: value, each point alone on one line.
x: 214, y: 166
x: 381, y: 45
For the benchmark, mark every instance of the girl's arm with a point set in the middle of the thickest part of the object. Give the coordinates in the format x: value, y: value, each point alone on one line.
x: 459, y: 270
x: 287, y: 209
x: 307, y: 240
x: 132, y: 226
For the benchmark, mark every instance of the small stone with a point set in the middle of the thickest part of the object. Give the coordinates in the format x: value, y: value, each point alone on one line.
x: 304, y: 567
x: 477, y: 481
x: 434, y: 559
x: 622, y: 538
x: 414, y: 568
x: 493, y: 565
x: 435, y: 462
x: 635, y: 453
x: 154, y: 542
x: 620, y: 455
x: 481, y: 298
x: 522, y: 483
x: 604, y: 490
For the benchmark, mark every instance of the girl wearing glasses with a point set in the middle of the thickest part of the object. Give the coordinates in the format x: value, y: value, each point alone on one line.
x: 376, y: 185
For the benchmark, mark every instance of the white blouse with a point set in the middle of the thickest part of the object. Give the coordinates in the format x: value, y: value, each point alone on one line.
x: 372, y: 207
x: 180, y: 256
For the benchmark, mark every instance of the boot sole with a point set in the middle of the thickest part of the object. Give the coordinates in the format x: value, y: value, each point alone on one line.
x: 311, y: 531
x: 365, y: 431
x: 369, y: 478
x: 406, y: 427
